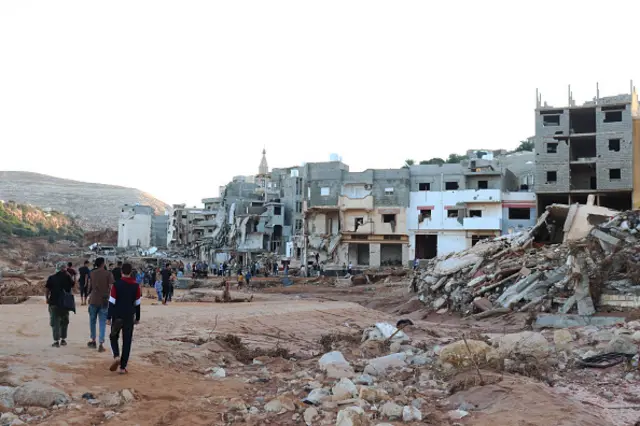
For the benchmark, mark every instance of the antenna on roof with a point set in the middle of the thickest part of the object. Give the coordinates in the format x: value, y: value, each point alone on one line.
x: 597, y: 91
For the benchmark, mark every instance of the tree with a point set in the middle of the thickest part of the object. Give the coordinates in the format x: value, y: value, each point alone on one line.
x: 434, y: 160
x: 455, y: 158
x: 525, y: 146
x: 408, y: 163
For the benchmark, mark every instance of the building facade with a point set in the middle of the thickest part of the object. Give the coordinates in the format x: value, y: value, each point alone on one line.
x: 134, y: 226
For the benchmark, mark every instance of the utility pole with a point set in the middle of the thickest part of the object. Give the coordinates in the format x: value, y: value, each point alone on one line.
x: 304, y: 235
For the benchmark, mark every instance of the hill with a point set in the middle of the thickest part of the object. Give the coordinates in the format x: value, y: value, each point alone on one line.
x: 24, y: 220
x: 94, y: 206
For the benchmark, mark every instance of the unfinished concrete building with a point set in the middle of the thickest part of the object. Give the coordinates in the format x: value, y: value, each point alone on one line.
x: 586, y: 149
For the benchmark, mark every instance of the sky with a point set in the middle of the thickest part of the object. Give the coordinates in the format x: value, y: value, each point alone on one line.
x: 176, y: 98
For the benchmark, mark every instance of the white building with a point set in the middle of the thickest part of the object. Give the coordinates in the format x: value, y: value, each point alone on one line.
x: 134, y: 226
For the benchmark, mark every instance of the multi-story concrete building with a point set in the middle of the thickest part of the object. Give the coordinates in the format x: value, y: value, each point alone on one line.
x: 159, y: 230
x: 586, y: 149
x: 134, y: 226
x: 453, y: 206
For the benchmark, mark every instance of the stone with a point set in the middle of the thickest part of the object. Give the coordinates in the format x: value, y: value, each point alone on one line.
x: 281, y: 404
x: 420, y: 360
x: 395, y: 347
x: 411, y: 414
x: 216, y: 373
x: 317, y: 396
x: 344, y: 389
x: 352, y: 416
x: 457, y: 354
x: 372, y: 395
x: 237, y: 404
x: 526, y: 343
x: 111, y: 400
x: 8, y: 418
x: 364, y: 379
x: 379, y: 366
x: 109, y: 414
x: 335, y: 366
x: 6, y: 396
x: 418, y: 402
x: 457, y: 414
x: 39, y: 395
x: 603, y: 336
x: 562, y: 338
x: 127, y: 396
x: 589, y: 354
x: 309, y: 415
x: 254, y: 410
x: 622, y: 344
x: 391, y: 410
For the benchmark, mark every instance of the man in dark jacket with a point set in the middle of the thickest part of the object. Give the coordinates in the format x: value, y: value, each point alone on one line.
x: 99, y: 291
x: 56, y: 287
x: 167, y: 286
x: 124, y: 305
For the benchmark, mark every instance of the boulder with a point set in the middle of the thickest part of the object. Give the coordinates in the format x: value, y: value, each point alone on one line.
x: 411, y: 414
x: 317, y: 396
x: 379, y: 366
x: 525, y: 343
x: 335, y: 366
x: 372, y: 395
x: 622, y: 344
x: 352, y: 416
x: 36, y: 394
x: 562, y: 338
x: 6, y: 396
x: 309, y: 415
x: 281, y: 404
x: 457, y: 354
x: 391, y: 410
x: 344, y: 389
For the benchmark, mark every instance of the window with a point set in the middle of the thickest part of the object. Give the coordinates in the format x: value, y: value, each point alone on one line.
x: 269, y: 185
x: 519, y: 213
x: 614, y: 145
x: 388, y: 218
x: 275, y: 185
x: 298, y: 224
x: 388, y: 191
x: 277, y: 210
x: 451, y: 186
x: 612, y: 116
x: 424, y: 214
x: 357, y: 222
x: 552, y: 148
x: 475, y: 213
x: 393, y: 237
x: 483, y: 184
x: 325, y: 191
x: 298, y: 207
x: 550, y: 120
x: 424, y: 186
x: 614, y: 174
x: 452, y: 213
x: 552, y: 176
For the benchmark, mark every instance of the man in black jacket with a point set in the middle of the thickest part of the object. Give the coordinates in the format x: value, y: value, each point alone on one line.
x: 57, y: 285
x: 124, y: 305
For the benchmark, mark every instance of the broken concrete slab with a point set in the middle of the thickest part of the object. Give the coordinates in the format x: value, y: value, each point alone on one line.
x: 566, y: 321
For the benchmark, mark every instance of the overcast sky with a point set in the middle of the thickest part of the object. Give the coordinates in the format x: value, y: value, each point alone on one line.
x: 175, y: 98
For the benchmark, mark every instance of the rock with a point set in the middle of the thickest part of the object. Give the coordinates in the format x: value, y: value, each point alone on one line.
x: 439, y: 302
x: 364, y: 379
x: 420, y: 360
x: 352, y: 416
x: 254, y: 410
x: 372, y: 395
x: 395, y: 347
x: 317, y: 396
x: 622, y: 344
x: 237, y: 404
x: 335, y: 366
x: 6, y: 396
x: 411, y: 414
x: 633, y: 325
x: 457, y: 414
x: 418, y: 402
x: 527, y: 343
x: 636, y: 336
x: 391, y: 410
x: 281, y: 404
x: 589, y: 354
x: 379, y: 366
x: 457, y: 354
x: 216, y: 373
x: 8, y: 418
x: 603, y: 336
x: 111, y: 400
x: 39, y: 395
x: 344, y: 389
x: 127, y: 396
x: 309, y: 415
x: 109, y: 414
x: 562, y: 338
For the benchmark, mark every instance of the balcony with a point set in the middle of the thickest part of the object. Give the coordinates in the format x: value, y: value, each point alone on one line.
x: 479, y: 196
x: 365, y: 203
x: 482, y: 223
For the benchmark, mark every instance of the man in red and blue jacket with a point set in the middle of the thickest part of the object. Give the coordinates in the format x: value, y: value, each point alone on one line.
x: 124, y: 313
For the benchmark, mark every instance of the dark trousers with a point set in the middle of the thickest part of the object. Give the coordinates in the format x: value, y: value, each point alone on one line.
x: 59, y: 321
x: 126, y: 326
x: 167, y: 291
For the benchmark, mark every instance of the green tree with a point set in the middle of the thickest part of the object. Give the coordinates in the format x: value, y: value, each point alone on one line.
x: 408, y: 163
x: 434, y: 160
x: 455, y: 158
x: 525, y: 146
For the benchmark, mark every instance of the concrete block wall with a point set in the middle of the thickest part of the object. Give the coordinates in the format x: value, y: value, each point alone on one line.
x: 550, y: 131
x: 398, y: 179
x: 558, y: 162
x: 607, y: 159
x: 323, y: 175
x: 494, y: 182
x: 436, y: 175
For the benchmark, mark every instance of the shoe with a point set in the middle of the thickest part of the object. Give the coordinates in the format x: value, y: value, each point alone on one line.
x: 92, y: 344
x: 101, y: 348
x: 123, y: 371
x: 115, y: 364
x: 56, y: 344
x: 63, y: 342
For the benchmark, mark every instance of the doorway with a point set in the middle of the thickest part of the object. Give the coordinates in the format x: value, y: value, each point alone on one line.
x: 362, y: 254
x: 426, y: 246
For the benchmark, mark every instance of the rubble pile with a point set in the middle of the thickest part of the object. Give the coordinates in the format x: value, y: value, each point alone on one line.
x: 515, y: 273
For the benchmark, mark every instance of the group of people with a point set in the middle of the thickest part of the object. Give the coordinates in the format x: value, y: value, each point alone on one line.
x: 113, y: 296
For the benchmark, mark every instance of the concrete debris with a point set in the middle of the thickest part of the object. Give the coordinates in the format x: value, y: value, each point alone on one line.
x: 540, y: 270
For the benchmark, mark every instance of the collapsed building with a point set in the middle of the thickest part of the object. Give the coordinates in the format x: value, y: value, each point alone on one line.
x: 139, y: 226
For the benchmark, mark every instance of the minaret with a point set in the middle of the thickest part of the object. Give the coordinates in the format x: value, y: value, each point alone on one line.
x: 264, y: 168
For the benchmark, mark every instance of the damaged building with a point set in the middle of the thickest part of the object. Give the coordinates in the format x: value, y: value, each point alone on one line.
x: 139, y: 226
x: 588, y: 149
x: 454, y: 206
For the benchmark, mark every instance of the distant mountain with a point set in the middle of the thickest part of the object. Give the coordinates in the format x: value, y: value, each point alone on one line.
x: 95, y: 206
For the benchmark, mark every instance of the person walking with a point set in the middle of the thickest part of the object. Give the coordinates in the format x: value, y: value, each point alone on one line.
x: 166, y: 283
x: 158, y: 287
x: 83, y: 282
x: 101, y: 281
x: 117, y: 271
x: 57, y: 285
x: 124, y: 304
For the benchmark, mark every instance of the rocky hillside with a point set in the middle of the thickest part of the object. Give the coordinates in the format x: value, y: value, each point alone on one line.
x: 94, y: 206
x: 28, y: 221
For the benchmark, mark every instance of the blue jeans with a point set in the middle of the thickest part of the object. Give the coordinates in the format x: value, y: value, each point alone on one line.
x: 159, y: 292
x: 100, y: 313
